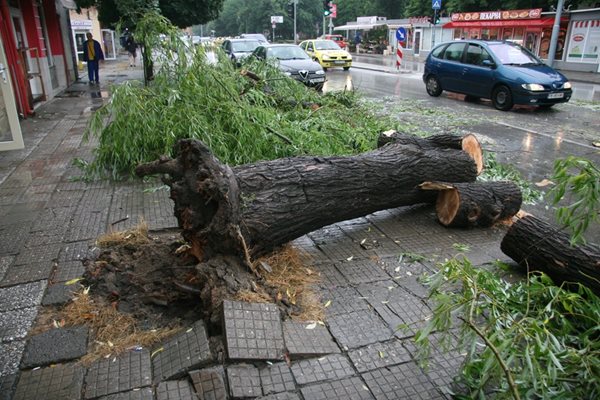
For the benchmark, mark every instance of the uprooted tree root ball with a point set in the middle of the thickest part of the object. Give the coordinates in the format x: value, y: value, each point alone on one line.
x: 141, y: 289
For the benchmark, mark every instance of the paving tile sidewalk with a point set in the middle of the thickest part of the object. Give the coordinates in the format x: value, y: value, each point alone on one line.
x: 48, y: 223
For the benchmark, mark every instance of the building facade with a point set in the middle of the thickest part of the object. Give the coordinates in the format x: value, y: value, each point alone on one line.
x: 87, y: 21
x: 37, y: 58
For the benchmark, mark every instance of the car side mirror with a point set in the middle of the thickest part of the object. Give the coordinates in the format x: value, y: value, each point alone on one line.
x: 488, y: 63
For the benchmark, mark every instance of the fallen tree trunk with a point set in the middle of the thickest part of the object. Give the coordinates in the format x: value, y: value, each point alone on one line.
x: 463, y: 205
x: 468, y: 143
x: 539, y: 246
x: 251, y: 209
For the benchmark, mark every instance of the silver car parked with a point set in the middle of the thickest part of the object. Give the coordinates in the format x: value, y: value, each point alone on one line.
x: 294, y: 62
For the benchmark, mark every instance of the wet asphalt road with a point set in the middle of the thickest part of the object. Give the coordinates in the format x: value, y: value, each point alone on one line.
x: 528, y: 138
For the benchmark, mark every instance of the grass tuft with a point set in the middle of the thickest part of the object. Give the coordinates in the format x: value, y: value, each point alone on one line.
x: 135, y: 236
x: 292, y: 282
x: 111, y: 331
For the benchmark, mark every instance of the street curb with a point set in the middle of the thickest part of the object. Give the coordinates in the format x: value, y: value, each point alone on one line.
x: 387, y: 70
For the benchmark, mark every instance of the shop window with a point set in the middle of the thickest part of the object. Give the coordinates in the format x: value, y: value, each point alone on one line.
x: 493, y: 34
x: 507, y: 34
x: 518, y: 36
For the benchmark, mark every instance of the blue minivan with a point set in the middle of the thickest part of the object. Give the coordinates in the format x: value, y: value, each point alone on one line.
x: 502, y: 71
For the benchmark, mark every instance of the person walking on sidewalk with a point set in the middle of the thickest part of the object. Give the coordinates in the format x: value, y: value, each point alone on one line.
x: 131, y: 47
x: 357, y: 41
x: 92, y: 54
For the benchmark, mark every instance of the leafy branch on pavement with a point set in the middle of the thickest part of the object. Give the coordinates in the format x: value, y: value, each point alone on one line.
x: 578, y: 180
x: 529, y: 339
x: 495, y: 171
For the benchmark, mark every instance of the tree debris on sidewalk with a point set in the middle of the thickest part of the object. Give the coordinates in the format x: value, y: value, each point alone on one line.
x: 473, y: 204
x: 538, y: 246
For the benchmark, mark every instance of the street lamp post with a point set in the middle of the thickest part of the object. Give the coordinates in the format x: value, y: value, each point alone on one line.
x: 555, y: 33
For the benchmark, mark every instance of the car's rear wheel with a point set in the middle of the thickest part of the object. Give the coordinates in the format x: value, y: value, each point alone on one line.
x: 502, y: 98
x: 433, y: 86
x: 346, y: 68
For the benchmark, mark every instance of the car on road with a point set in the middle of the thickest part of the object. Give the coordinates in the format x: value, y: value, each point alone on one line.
x: 294, y: 62
x: 327, y: 53
x: 257, y: 36
x: 502, y: 71
x: 339, y: 39
x: 238, y: 49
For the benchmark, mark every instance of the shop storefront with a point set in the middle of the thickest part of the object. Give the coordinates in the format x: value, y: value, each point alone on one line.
x: 583, y: 42
x: 528, y: 27
x: 421, y: 35
x: 87, y: 21
x: 35, y: 64
x: 36, y: 59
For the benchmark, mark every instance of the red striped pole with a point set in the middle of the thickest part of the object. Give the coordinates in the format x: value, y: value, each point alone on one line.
x: 399, y: 55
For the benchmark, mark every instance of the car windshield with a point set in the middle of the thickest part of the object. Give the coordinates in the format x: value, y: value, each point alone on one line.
x: 513, y: 54
x: 326, y: 45
x: 287, y: 53
x: 246, y: 46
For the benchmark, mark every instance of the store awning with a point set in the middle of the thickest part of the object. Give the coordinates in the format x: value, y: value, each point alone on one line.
x: 534, y: 23
x: 355, y: 27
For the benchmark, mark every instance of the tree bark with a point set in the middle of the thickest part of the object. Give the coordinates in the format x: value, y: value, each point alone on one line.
x: 468, y: 143
x: 539, y: 246
x: 250, y: 209
x: 473, y: 204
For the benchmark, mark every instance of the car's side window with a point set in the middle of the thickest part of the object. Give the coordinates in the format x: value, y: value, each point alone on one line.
x: 309, y: 47
x: 476, y: 55
x: 437, y: 51
x: 454, y: 52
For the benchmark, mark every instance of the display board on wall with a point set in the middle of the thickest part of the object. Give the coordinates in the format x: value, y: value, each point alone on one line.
x: 584, y: 42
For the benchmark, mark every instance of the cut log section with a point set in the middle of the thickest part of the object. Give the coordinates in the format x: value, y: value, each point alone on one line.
x: 473, y: 204
x: 539, y: 246
x: 468, y: 143
x: 251, y: 209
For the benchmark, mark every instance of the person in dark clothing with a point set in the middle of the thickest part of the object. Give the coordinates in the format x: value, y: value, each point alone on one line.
x: 357, y: 41
x: 92, y: 54
x: 131, y: 47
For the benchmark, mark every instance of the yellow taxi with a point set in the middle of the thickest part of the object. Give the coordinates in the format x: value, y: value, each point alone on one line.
x: 327, y: 53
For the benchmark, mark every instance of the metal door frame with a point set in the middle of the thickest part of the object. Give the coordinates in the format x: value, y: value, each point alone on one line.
x: 114, y: 49
x: 11, y: 107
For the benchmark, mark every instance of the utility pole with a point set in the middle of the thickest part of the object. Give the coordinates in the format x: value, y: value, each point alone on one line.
x: 435, y: 11
x: 295, y: 14
x: 555, y: 32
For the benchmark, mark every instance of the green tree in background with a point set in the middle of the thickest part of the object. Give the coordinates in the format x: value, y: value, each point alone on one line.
x: 182, y: 13
x: 254, y: 16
